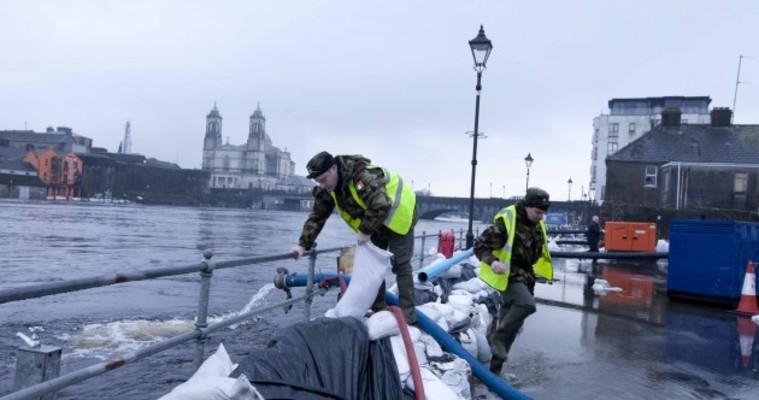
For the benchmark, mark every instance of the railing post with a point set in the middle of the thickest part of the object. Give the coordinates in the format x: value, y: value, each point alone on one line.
x: 310, y: 282
x: 421, y: 252
x: 36, y: 363
x: 201, y: 322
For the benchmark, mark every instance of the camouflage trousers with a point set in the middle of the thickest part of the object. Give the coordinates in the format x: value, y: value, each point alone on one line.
x: 402, y: 247
x: 516, y: 304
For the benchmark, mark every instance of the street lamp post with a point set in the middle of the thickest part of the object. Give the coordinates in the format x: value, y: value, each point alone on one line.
x: 481, y: 48
x: 528, y: 162
x: 569, y: 185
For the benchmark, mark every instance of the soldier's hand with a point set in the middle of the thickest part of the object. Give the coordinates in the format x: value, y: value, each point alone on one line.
x: 297, y: 251
x: 362, y: 237
x: 498, y: 267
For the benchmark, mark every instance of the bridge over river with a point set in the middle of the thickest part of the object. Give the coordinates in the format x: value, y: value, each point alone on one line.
x: 430, y: 207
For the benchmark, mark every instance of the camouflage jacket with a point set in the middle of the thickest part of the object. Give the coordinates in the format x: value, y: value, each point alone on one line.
x: 527, y: 248
x: 370, y: 186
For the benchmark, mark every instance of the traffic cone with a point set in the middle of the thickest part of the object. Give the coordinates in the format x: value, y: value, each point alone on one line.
x: 746, y: 332
x: 747, y: 305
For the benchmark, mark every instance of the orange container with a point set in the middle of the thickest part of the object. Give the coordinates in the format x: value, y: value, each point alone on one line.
x: 630, y: 236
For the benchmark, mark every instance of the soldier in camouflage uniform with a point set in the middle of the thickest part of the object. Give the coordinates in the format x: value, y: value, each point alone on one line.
x: 512, y: 270
x: 387, y: 219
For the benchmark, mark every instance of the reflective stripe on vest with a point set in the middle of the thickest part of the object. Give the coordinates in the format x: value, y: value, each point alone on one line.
x: 541, y: 268
x: 403, y: 200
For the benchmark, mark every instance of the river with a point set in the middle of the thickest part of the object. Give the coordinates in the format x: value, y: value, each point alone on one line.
x: 636, y: 344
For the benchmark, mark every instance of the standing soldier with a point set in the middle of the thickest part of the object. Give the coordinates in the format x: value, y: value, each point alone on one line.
x: 379, y: 207
x: 512, y: 251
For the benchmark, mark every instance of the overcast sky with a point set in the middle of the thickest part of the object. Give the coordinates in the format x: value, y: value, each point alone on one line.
x: 392, y: 80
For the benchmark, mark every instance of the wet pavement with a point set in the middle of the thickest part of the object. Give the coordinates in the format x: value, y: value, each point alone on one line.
x: 632, y: 344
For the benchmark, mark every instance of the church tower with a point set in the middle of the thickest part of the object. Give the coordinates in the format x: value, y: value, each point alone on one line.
x: 257, y: 130
x: 212, y: 140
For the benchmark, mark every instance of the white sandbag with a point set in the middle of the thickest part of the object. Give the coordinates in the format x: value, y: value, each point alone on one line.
x: 443, y: 324
x: 473, y: 285
x: 483, y: 347
x: 431, y: 346
x: 217, y: 364
x: 460, y: 302
x: 421, y: 353
x: 430, y: 312
x: 445, y: 309
x: 480, y: 296
x: 662, y: 246
x: 401, y: 359
x: 472, y: 261
x: 434, y: 388
x: 414, y: 333
x: 459, y: 292
x: 468, y: 341
x: 457, y: 378
x: 217, y: 388
x: 211, y: 382
x: 381, y: 324
x: 454, y: 272
x: 369, y: 266
x: 484, y: 316
x: 457, y: 318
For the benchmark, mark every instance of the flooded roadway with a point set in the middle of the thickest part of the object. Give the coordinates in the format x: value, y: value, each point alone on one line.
x: 634, y: 344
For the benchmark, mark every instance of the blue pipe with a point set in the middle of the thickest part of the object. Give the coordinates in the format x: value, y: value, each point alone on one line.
x: 437, y: 269
x: 448, y: 343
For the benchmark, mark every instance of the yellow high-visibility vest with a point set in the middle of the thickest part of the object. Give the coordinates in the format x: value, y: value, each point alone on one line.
x: 402, y: 198
x: 542, y: 267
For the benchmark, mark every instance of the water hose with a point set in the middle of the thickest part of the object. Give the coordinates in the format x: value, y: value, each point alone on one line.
x: 434, y: 270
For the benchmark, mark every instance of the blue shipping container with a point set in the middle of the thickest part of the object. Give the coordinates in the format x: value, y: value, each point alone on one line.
x: 707, y: 259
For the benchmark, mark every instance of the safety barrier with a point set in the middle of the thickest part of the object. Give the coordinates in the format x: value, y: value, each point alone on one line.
x: 41, y: 379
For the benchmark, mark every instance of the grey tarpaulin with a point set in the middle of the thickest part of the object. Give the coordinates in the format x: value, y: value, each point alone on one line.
x: 325, y: 358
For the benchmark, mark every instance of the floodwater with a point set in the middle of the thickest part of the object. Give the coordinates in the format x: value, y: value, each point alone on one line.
x: 635, y: 344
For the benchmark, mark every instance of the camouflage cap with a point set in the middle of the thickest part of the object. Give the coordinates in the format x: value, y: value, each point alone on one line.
x: 319, y: 164
x: 537, y: 197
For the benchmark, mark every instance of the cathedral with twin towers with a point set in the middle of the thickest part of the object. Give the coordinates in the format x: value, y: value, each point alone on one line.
x: 255, y: 164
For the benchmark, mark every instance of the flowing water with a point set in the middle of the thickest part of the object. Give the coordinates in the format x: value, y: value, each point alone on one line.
x: 635, y: 344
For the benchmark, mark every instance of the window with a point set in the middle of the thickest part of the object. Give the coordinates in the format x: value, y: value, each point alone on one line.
x: 650, y: 176
x: 631, y: 129
x: 612, y: 147
x: 226, y: 163
x: 614, y: 130
x: 740, y: 184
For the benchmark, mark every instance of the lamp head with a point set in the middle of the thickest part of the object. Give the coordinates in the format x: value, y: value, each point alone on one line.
x: 528, y: 160
x: 481, y: 47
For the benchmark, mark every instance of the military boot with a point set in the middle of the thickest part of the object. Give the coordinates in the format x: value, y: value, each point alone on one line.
x: 496, y: 364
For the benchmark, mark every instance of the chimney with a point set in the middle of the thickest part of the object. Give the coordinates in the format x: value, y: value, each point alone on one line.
x: 50, y: 129
x: 721, y: 116
x: 670, y: 117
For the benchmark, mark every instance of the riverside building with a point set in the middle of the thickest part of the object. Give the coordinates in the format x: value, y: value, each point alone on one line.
x: 629, y: 119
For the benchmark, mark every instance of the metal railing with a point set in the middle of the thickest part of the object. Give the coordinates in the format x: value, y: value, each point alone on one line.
x: 205, y: 268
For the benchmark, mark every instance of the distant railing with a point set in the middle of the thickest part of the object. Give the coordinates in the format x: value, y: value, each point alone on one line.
x: 28, y: 376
